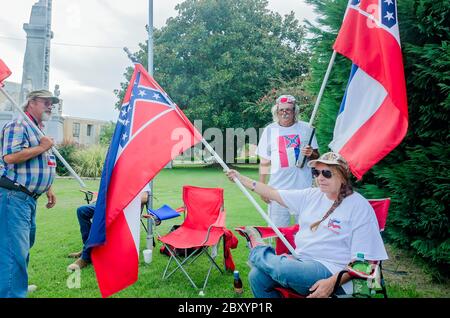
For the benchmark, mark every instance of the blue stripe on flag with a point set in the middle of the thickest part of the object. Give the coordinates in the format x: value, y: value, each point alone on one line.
x: 352, y: 73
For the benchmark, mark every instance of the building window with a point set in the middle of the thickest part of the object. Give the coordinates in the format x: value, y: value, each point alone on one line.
x: 89, y: 130
x: 76, y: 129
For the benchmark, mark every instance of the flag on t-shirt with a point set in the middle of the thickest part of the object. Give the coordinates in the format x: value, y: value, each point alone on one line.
x: 151, y: 131
x: 289, y: 150
x: 373, y: 117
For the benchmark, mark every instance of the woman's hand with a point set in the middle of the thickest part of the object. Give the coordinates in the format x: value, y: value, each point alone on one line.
x: 322, y: 288
x: 231, y: 174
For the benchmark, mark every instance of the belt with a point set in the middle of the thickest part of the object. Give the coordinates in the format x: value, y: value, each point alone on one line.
x: 11, y: 185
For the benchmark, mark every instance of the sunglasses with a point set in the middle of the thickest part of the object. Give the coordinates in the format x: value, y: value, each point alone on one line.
x: 326, y: 173
x: 45, y: 102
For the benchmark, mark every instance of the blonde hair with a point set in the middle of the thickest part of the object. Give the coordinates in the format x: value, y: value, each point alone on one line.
x: 345, y: 190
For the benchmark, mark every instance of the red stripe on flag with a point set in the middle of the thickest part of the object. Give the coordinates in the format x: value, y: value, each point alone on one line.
x: 116, y: 262
x: 375, y: 139
x: 284, y: 162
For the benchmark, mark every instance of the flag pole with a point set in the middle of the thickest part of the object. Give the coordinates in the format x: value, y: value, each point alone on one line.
x: 302, y: 158
x: 55, y: 151
x: 252, y: 200
x: 245, y: 191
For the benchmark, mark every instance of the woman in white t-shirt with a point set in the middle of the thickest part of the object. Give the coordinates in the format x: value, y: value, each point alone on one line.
x: 335, y: 222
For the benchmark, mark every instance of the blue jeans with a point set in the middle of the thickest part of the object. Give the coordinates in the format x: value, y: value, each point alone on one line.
x: 17, y: 235
x: 270, y: 270
x: 85, y: 214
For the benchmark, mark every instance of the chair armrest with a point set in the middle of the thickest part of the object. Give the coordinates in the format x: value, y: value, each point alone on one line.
x: 219, y: 223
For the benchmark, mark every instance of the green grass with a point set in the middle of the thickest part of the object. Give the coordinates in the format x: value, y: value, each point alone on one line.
x: 58, y: 234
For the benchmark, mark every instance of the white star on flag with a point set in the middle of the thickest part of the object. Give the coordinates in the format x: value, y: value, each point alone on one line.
x: 389, y: 2
x: 389, y: 15
x: 155, y: 95
x: 124, y: 112
x: 142, y: 93
x: 124, y: 136
x: 126, y: 122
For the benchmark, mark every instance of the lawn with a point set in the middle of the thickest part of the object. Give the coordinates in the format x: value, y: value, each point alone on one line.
x: 58, y: 234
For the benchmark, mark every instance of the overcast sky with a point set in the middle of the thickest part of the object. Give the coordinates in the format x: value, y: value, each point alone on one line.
x: 86, y: 58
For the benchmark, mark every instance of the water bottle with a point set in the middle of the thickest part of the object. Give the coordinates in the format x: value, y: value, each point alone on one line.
x: 237, y: 283
x: 360, y: 286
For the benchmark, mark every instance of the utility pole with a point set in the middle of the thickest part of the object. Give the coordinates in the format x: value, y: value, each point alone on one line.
x: 149, y: 239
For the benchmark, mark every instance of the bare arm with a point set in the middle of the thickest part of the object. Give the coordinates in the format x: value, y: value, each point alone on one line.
x: 258, y: 187
x: 26, y: 154
x: 264, y: 171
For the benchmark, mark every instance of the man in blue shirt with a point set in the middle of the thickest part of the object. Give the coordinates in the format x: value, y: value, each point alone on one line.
x: 27, y: 170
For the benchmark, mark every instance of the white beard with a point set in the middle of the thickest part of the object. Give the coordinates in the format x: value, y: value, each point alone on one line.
x: 45, y: 117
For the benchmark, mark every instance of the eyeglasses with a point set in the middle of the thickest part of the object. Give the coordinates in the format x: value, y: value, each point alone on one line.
x: 326, y: 173
x: 286, y: 110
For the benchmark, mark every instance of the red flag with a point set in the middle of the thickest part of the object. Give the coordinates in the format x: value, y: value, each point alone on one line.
x: 151, y: 131
x: 373, y: 117
x: 4, y: 71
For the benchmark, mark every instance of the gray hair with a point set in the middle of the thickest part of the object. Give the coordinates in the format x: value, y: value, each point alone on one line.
x: 274, y: 111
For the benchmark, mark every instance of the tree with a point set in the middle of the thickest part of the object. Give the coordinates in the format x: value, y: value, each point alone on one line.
x: 215, y: 56
x: 416, y: 174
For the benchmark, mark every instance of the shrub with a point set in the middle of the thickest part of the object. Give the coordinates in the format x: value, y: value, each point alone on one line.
x: 67, y: 150
x: 89, y: 162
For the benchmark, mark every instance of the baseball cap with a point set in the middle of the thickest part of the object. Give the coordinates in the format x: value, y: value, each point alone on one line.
x: 42, y: 93
x: 330, y: 158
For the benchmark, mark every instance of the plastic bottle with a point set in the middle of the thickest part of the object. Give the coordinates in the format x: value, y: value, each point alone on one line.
x: 237, y: 283
x: 360, y: 286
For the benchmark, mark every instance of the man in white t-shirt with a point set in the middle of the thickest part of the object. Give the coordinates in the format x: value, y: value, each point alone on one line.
x: 279, y: 150
x: 336, y: 224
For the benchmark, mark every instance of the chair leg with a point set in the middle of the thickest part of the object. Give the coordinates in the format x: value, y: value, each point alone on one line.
x: 191, y: 259
x: 180, y: 266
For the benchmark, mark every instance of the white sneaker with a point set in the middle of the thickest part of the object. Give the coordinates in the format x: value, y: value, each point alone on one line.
x: 32, y: 288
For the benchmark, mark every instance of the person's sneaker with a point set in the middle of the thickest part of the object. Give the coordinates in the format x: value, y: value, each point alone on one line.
x: 75, y: 255
x: 253, y: 236
x: 32, y: 288
x: 78, y: 264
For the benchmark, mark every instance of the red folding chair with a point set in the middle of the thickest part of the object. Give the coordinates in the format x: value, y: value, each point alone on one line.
x: 202, y: 229
x: 381, y: 208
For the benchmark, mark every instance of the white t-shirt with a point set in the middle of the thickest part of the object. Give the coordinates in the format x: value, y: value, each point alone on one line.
x: 282, y: 145
x: 352, y: 228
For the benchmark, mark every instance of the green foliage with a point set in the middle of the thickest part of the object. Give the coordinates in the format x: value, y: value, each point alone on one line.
x: 106, y: 133
x: 67, y: 150
x: 216, y: 56
x: 416, y: 174
x: 89, y: 162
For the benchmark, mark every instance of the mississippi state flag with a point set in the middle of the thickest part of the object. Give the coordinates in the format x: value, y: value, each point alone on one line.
x: 373, y: 117
x: 151, y: 131
x: 289, y: 149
